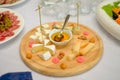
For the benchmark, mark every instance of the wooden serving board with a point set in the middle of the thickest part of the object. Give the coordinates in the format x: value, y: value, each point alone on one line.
x: 72, y: 67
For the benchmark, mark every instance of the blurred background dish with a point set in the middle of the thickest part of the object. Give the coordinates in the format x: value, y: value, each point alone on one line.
x: 60, y: 8
x: 17, y: 25
x: 108, y: 16
x: 11, y: 4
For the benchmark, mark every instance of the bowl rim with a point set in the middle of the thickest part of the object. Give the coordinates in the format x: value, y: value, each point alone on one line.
x: 58, y: 30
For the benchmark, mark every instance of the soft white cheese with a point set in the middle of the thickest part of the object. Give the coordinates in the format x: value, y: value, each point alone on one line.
x: 45, y: 55
x: 52, y: 48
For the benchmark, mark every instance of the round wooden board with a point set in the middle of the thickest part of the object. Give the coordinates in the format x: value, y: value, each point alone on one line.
x: 73, y: 67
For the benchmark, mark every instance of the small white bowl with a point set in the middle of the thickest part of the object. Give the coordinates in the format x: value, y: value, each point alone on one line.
x: 60, y: 43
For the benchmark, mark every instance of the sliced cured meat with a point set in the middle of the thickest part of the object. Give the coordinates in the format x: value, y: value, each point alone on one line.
x: 15, y: 24
x: 2, y: 1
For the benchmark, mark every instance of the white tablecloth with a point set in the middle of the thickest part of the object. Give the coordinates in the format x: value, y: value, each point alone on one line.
x: 108, y: 67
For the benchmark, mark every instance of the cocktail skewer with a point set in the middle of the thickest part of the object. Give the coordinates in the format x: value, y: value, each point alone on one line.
x: 78, y: 6
x: 40, y: 22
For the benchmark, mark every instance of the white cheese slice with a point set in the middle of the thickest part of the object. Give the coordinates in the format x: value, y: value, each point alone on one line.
x: 45, y: 55
x: 52, y: 48
x: 36, y: 45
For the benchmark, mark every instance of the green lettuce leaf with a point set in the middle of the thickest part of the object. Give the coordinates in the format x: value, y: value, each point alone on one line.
x: 108, y: 9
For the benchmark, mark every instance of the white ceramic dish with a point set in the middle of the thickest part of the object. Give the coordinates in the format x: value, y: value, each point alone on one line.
x: 18, y: 30
x: 107, y: 22
x: 13, y: 4
x: 60, y: 43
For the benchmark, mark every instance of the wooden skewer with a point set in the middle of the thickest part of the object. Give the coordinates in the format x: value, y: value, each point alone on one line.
x: 40, y: 22
x: 39, y: 9
x: 77, y: 4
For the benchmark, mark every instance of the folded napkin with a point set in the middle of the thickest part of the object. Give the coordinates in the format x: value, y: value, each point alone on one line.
x: 17, y: 76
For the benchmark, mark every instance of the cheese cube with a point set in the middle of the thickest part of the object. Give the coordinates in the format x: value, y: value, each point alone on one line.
x: 41, y: 38
x: 45, y: 55
x: 38, y: 34
x: 47, y: 32
x: 85, y: 50
x: 45, y: 26
x: 71, y: 57
x: 38, y: 29
x: 46, y: 41
x: 33, y: 37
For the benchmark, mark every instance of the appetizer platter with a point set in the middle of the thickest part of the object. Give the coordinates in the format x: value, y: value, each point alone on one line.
x: 108, y: 15
x: 8, y: 3
x: 82, y: 51
x: 11, y: 24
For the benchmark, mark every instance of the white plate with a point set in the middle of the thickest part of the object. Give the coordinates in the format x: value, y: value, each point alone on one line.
x: 13, y: 4
x: 18, y: 30
x: 106, y: 21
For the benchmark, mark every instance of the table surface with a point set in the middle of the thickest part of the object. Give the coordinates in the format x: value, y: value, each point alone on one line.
x: 108, y: 67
